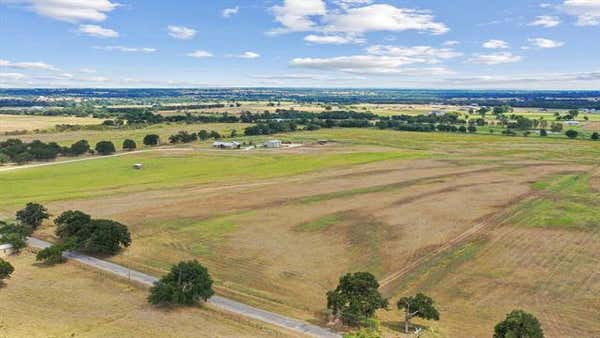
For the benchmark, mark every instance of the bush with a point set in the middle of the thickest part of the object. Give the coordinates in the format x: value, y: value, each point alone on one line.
x: 6, y: 269
x: 53, y: 254
x: 105, y: 148
x: 595, y: 136
x: 543, y: 132
x: 129, y: 144
x: 185, y: 284
x: 572, y: 134
x: 151, y: 140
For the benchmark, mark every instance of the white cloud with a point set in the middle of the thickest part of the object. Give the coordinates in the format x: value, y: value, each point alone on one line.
x: 229, y: 12
x: 12, y: 76
x: 127, y: 49
x: 98, y: 31
x: 495, y: 44
x: 382, y: 60
x: 586, y: 11
x: 87, y: 70
x: 352, y: 3
x: 451, y: 43
x: 27, y: 65
x: 545, y: 43
x: 333, y: 39
x: 295, y: 15
x: 382, y: 17
x: 200, y: 54
x: 546, y: 21
x: 495, y: 58
x: 69, y: 10
x: 181, y: 32
x: 248, y: 55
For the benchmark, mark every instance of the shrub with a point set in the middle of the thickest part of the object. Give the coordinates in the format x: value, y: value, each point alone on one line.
x: 186, y: 284
x: 572, y: 134
x: 6, y: 269
x: 129, y: 144
x: 105, y: 148
x: 151, y: 140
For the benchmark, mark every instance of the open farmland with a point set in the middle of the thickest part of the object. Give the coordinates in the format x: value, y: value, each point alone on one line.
x: 11, y: 123
x: 277, y: 228
x: 73, y: 301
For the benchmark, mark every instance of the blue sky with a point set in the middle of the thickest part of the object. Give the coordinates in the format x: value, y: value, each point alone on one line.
x: 521, y: 44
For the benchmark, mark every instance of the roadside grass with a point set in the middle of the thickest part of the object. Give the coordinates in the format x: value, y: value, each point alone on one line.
x: 70, y: 300
x: 165, y: 170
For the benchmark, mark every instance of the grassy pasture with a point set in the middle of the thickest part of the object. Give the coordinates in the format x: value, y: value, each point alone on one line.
x: 10, y: 123
x: 277, y: 229
x: 74, y: 301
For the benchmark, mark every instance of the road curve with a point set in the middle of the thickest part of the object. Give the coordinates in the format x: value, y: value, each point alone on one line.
x: 218, y: 301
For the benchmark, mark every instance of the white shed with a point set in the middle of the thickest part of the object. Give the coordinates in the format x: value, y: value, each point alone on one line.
x: 6, y: 250
x: 273, y: 144
x: 227, y: 145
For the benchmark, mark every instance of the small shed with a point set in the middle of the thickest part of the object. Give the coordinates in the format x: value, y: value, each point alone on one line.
x: 273, y: 144
x: 6, y: 250
x: 227, y: 145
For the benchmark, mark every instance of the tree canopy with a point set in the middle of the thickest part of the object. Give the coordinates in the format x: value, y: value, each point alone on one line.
x: 519, y: 324
x: 417, y: 306
x: 105, y: 148
x: 32, y: 215
x: 356, y: 298
x: 6, y: 269
x: 186, y: 283
x: 151, y: 140
x: 129, y: 144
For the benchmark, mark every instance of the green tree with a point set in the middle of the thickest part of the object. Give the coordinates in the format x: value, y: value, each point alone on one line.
x: 53, y: 254
x: 356, y: 298
x: 203, y: 135
x: 129, y: 144
x: 572, y: 134
x: 6, y: 269
x: 151, y: 140
x: 32, y: 215
x: 105, y: 237
x: 595, y: 136
x: 73, y: 224
x: 543, y: 132
x: 519, y: 324
x: 15, y: 235
x: 213, y: 134
x: 370, y: 330
x: 105, y: 148
x: 417, y: 306
x: 79, y: 148
x: 186, y: 284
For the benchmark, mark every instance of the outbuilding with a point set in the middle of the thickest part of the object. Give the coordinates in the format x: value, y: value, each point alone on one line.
x: 227, y: 145
x: 6, y: 250
x: 273, y: 144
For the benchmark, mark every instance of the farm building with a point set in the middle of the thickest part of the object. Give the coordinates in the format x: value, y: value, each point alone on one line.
x: 571, y: 123
x: 273, y: 144
x: 227, y: 145
x: 6, y: 250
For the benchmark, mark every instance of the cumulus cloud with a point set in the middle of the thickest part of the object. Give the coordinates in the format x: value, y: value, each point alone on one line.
x: 68, y: 10
x: 545, y: 43
x: 200, y: 54
x: 383, y: 59
x: 98, y: 31
x: 495, y: 44
x: 333, y: 39
x: 353, y: 17
x: 451, y: 43
x: 229, y: 12
x: 495, y: 58
x: 181, y: 32
x: 546, y: 21
x: 27, y: 65
x: 587, y: 12
x: 127, y: 49
x: 295, y: 15
x: 12, y: 76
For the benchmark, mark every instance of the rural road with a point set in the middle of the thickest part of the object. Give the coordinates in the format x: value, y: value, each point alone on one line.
x: 220, y: 302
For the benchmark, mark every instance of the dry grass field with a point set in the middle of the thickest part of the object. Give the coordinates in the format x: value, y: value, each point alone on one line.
x: 9, y: 123
x: 484, y: 224
x: 73, y: 301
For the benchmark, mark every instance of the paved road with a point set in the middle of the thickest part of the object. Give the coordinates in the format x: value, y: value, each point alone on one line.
x: 220, y: 302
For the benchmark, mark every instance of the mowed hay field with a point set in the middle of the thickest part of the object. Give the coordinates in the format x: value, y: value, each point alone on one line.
x: 423, y: 212
x: 70, y: 300
x: 10, y: 123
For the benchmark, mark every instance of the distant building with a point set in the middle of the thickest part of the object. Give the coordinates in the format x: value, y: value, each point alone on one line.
x: 6, y: 250
x: 437, y: 113
x: 572, y: 123
x: 227, y: 145
x: 273, y: 144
